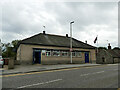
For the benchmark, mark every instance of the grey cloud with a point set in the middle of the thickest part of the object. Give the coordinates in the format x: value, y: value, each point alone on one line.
x: 28, y: 19
x: 83, y: 14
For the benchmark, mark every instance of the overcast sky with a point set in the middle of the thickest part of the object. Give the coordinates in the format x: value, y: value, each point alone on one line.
x: 24, y: 19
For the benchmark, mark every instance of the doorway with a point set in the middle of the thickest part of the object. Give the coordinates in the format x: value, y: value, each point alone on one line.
x: 36, y: 57
x: 86, y: 57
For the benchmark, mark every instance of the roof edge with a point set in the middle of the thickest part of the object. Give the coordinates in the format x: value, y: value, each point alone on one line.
x: 56, y: 46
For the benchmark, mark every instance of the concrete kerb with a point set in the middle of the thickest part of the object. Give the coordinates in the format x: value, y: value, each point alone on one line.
x: 51, y: 69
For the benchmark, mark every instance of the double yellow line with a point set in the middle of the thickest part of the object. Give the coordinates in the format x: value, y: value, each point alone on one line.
x: 48, y: 71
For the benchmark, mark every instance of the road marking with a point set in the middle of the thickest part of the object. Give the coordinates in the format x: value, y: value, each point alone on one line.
x: 98, y: 72
x: 91, y: 73
x: 84, y: 74
x: 40, y: 83
x: 47, y: 71
x: 36, y: 72
x: 23, y: 74
x: 88, y: 67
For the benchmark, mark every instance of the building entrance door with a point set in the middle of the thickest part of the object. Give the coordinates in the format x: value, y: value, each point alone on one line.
x: 86, y: 57
x: 36, y: 56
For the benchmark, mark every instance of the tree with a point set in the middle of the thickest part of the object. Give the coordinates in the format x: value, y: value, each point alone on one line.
x: 15, y: 43
x: 9, y: 49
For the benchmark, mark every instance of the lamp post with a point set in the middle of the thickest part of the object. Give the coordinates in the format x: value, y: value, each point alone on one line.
x: 71, y: 40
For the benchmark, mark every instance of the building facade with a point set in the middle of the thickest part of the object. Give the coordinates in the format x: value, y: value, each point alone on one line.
x: 54, y: 49
x: 108, y: 56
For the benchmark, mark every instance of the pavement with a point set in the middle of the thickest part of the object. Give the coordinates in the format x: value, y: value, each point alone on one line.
x: 39, y: 67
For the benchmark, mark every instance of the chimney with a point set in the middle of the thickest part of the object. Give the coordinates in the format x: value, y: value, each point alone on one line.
x: 43, y: 32
x: 66, y: 35
x: 109, y: 47
x: 86, y: 41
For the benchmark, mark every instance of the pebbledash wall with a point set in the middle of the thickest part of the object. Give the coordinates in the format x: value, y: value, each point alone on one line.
x: 25, y: 54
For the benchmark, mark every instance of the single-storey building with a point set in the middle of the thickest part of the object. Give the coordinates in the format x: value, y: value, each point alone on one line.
x: 108, y: 56
x: 54, y: 49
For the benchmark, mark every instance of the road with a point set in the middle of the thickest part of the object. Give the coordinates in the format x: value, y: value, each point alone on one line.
x: 104, y: 76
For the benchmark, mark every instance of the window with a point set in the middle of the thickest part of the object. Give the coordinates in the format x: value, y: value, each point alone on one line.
x: 43, y: 52
x: 79, y: 54
x: 64, y: 53
x: 73, y: 54
x: 48, y: 53
x: 56, y: 53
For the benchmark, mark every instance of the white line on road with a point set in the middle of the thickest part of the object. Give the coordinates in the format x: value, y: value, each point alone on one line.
x: 91, y: 73
x: 40, y: 83
x: 84, y: 74
x: 98, y: 72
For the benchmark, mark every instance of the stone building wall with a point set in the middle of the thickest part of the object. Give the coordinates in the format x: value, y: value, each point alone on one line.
x: 103, y: 57
x: 25, y: 55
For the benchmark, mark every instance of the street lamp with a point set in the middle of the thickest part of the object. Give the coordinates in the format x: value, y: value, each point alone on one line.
x: 71, y: 39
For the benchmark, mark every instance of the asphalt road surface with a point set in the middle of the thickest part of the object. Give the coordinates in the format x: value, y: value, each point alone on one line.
x: 104, y: 76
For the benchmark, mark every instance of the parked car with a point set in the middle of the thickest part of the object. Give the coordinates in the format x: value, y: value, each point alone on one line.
x: 1, y: 61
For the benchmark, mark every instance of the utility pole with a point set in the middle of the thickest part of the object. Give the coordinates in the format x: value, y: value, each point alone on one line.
x: 44, y: 28
x: 71, y: 40
x: 0, y: 48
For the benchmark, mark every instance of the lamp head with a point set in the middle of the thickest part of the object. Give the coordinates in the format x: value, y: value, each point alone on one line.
x: 71, y: 22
